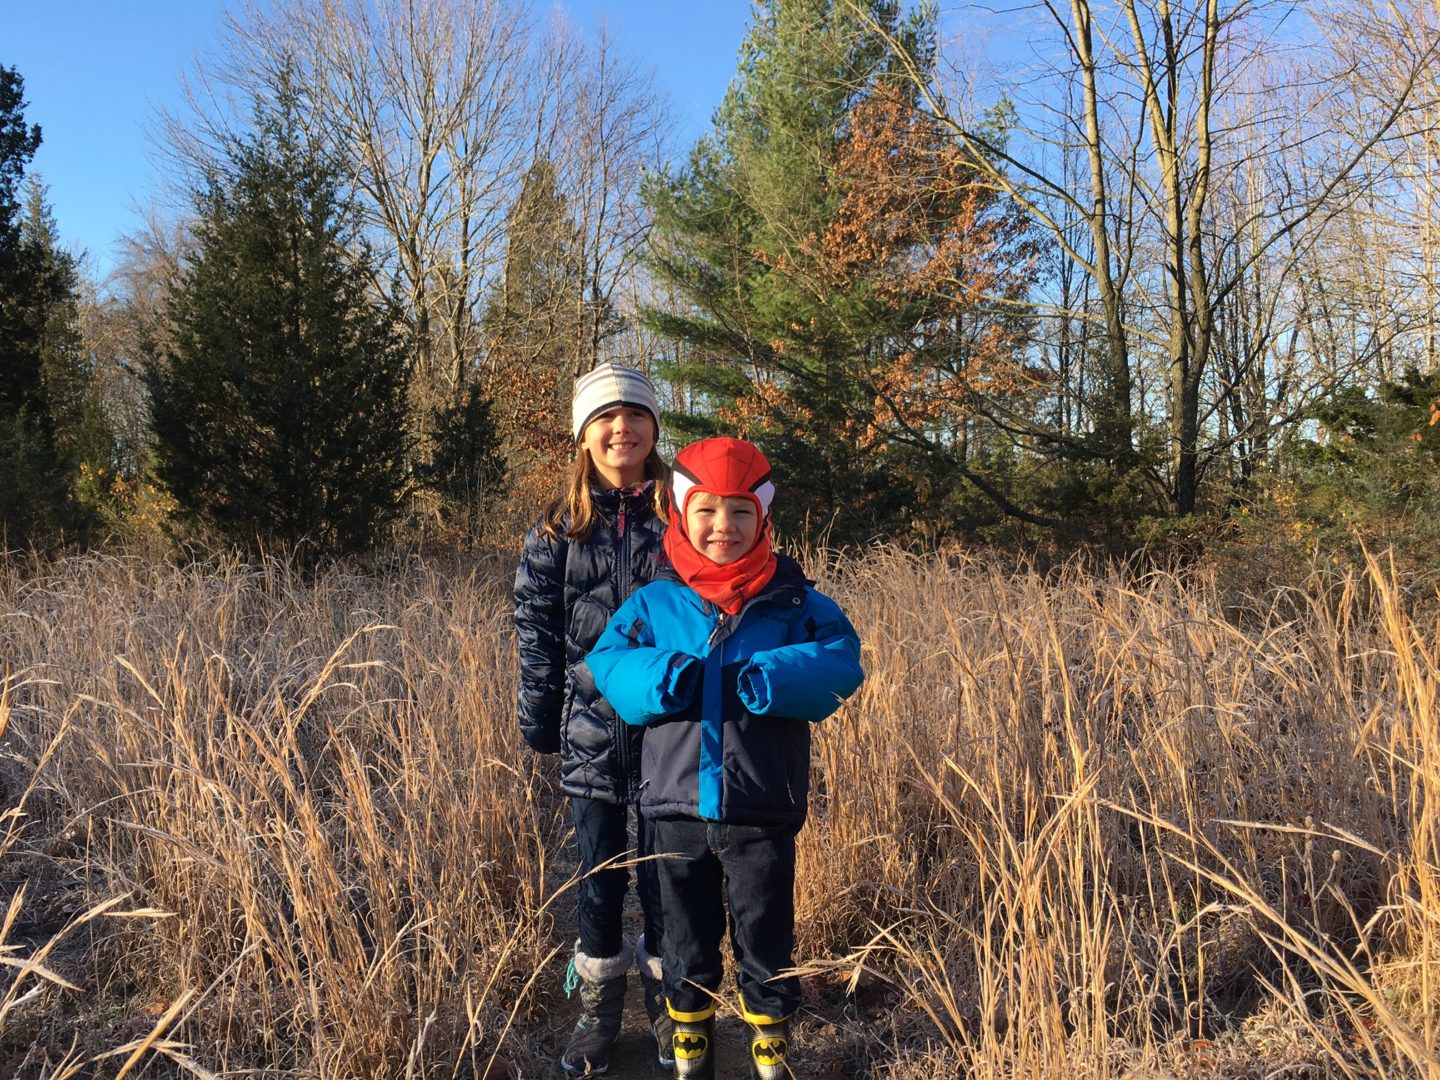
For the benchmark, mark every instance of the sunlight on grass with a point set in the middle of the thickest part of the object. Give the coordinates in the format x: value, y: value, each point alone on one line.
x: 1078, y: 823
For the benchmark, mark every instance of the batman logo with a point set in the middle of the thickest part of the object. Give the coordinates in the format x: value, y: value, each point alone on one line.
x: 769, y: 1051
x: 690, y: 1045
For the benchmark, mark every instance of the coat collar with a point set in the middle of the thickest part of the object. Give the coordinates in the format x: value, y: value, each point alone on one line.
x: 609, y: 500
x: 789, y: 578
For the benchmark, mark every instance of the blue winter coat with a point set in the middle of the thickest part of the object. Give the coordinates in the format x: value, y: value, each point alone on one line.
x: 565, y: 592
x: 728, y: 701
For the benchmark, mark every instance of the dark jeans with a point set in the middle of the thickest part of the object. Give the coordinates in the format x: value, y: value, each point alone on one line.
x: 753, y: 868
x: 601, y: 833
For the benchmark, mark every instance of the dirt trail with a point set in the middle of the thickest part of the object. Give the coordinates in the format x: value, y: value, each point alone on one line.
x: 634, y: 1056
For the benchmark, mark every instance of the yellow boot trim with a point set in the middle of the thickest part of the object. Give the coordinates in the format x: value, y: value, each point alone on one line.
x: 689, y: 1017
x: 758, y: 1018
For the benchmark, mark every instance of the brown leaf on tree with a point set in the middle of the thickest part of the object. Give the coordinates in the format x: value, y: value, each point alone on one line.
x: 920, y: 226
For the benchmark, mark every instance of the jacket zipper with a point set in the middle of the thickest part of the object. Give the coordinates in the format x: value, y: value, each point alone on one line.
x: 622, y: 553
x: 718, y: 634
x: 620, y: 734
x: 725, y: 624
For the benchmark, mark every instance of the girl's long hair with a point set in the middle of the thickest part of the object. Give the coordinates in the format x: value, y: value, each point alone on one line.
x: 576, y: 506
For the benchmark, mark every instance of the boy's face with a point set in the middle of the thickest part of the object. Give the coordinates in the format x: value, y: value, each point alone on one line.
x: 722, y: 528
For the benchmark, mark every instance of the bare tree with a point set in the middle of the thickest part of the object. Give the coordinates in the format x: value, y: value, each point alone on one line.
x: 426, y: 102
x: 611, y: 128
x: 1162, y: 109
x: 440, y: 109
x: 1348, y: 297
x: 123, y: 320
x: 1398, y: 221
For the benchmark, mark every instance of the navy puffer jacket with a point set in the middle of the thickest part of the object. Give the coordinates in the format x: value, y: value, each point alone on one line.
x: 565, y: 592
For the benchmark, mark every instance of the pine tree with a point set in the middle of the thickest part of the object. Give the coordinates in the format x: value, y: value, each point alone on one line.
x: 729, y: 228
x: 50, y: 419
x: 81, y: 448
x: 279, y: 410
x: 466, y: 467
x: 18, y: 144
x: 1373, y: 480
x: 838, y: 260
x: 535, y: 329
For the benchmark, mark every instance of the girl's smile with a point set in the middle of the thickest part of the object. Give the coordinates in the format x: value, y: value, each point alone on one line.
x: 619, y: 441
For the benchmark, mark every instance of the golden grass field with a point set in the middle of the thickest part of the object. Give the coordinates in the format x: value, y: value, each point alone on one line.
x: 1079, y: 824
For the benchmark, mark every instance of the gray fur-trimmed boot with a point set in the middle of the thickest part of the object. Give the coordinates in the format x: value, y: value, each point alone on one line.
x: 602, y: 1002
x: 652, y: 978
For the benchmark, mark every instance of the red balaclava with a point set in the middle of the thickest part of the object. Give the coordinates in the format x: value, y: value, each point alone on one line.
x: 730, y: 468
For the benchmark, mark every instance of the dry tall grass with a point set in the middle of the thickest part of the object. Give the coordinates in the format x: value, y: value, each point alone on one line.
x: 1082, y: 825
x: 318, y: 783
x: 1093, y: 826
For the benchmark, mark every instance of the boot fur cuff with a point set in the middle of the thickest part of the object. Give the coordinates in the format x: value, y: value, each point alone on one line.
x: 647, y: 962
x: 594, y: 969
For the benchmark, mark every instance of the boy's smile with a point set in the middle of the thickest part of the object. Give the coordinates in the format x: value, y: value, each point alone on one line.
x: 722, y: 528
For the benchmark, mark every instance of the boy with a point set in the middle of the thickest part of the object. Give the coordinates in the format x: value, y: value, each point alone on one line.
x: 728, y: 667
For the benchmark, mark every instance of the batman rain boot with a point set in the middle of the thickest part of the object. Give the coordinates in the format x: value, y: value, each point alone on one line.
x: 602, y: 1002
x: 694, y: 1043
x: 770, y: 1048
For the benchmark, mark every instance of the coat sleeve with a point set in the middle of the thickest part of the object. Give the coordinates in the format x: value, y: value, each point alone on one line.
x: 642, y: 682
x: 807, y: 680
x: 540, y: 624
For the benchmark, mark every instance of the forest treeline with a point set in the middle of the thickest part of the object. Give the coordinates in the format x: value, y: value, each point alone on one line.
x: 1167, y: 278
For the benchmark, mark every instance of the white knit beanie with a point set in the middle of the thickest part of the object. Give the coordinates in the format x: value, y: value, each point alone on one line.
x: 607, y: 387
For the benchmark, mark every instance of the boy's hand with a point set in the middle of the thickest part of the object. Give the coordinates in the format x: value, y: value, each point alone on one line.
x: 684, y: 682
x: 753, y: 689
x: 687, y: 681
x: 804, y: 681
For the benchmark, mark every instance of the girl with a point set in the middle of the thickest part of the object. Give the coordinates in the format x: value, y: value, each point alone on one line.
x: 598, y: 543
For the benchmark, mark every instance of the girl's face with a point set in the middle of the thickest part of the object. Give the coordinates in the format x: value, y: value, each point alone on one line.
x: 723, y: 528
x: 619, y: 441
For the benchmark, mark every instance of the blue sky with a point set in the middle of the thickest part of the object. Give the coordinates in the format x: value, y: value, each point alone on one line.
x: 96, y: 71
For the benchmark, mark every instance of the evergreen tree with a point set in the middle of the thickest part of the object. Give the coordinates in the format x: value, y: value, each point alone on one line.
x: 1374, y: 478
x: 29, y: 474
x: 279, y: 410
x: 728, y: 233
x: 50, y: 419
x: 466, y: 467
x: 819, y: 240
x: 81, y: 432
x: 18, y: 144
x: 535, y: 329
x: 82, y: 444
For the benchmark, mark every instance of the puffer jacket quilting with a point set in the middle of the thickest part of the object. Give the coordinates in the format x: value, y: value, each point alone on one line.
x: 727, y: 702
x: 565, y: 592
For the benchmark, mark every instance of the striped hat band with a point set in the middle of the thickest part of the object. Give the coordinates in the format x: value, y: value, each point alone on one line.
x: 607, y: 387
